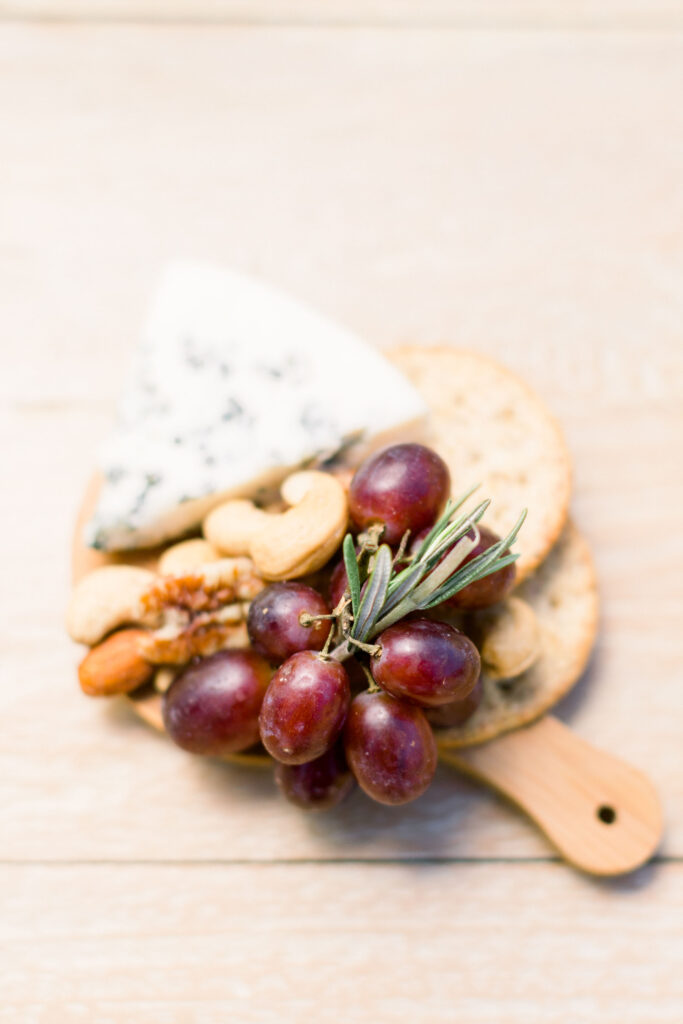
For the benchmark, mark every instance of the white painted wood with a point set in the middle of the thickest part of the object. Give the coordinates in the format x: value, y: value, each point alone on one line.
x: 282, y: 944
x: 520, y: 193
x: 495, y: 14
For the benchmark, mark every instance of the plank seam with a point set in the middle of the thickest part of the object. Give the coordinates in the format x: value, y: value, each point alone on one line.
x: 303, y: 861
x: 655, y: 25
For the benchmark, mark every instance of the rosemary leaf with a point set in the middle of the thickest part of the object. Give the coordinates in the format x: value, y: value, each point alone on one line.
x: 351, y: 566
x: 437, y: 528
x: 403, y: 608
x: 375, y: 593
x: 402, y: 584
x: 445, y: 570
x: 497, y: 557
x: 475, y: 570
x: 455, y: 531
x: 451, y: 507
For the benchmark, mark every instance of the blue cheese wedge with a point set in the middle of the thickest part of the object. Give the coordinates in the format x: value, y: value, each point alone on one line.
x: 233, y: 386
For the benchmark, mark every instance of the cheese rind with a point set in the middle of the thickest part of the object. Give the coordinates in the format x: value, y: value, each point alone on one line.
x: 233, y: 386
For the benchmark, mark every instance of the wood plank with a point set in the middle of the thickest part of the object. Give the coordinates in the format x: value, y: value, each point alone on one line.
x: 491, y: 944
x: 394, y: 13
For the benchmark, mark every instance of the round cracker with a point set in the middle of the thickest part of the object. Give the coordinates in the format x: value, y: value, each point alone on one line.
x: 492, y: 429
x: 563, y: 594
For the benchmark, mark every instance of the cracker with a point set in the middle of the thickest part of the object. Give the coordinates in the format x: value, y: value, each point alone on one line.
x: 492, y: 429
x: 563, y: 594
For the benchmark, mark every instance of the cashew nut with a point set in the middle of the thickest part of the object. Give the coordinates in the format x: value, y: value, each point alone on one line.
x: 510, y: 640
x: 231, y: 527
x: 186, y: 556
x: 105, y: 599
x: 291, y: 543
x: 296, y: 486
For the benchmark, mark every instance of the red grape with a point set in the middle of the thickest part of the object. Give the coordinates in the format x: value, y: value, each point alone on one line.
x: 458, y: 712
x: 213, y: 706
x: 304, y: 708
x: 429, y: 663
x: 274, y: 623
x: 405, y: 487
x: 491, y: 589
x: 316, y: 785
x: 390, y: 748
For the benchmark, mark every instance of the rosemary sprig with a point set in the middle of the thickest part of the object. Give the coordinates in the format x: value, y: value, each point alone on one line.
x: 375, y: 594
x: 391, y: 593
x: 352, y: 573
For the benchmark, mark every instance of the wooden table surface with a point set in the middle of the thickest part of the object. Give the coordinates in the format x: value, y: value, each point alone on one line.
x: 517, y: 191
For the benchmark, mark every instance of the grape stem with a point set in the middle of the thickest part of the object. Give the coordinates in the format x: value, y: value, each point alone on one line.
x: 369, y: 540
x: 343, y: 621
x: 373, y: 687
x: 345, y: 650
x: 401, y: 553
x: 374, y: 650
x: 342, y: 652
x: 306, y: 619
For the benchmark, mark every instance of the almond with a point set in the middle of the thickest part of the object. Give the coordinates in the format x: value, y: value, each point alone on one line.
x: 115, y: 665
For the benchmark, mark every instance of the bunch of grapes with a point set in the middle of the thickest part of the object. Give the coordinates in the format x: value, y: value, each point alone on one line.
x: 349, y: 691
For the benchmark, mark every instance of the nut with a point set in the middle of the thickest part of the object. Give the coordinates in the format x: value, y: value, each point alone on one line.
x: 204, y: 635
x: 105, y: 599
x: 206, y: 588
x: 296, y: 486
x: 509, y: 639
x: 238, y: 576
x: 187, y: 555
x: 163, y: 678
x: 232, y: 525
x: 115, y: 666
x: 291, y: 543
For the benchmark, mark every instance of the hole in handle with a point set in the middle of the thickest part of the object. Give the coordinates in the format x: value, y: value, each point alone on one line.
x: 606, y: 814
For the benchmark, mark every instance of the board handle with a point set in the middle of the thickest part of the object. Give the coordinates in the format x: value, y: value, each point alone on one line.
x: 602, y: 814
